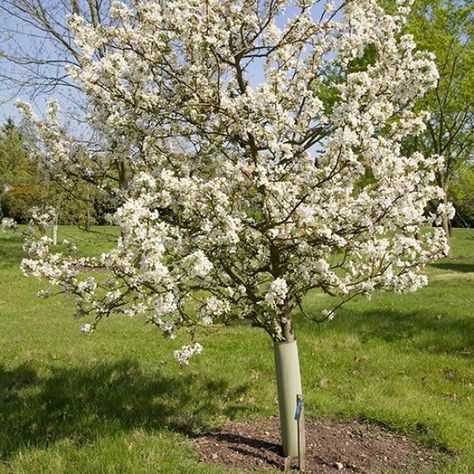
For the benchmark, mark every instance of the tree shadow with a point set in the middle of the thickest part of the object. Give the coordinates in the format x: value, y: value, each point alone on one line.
x: 250, y: 446
x: 81, y: 403
x: 455, y: 266
x: 434, y: 333
x: 11, y: 251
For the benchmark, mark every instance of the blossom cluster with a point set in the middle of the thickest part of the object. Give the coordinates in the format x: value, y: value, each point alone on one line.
x: 7, y: 224
x: 243, y: 197
x: 44, y: 217
x: 183, y: 355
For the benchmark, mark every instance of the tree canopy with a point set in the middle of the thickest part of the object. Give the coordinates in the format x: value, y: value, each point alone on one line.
x: 226, y: 197
x: 243, y: 198
x: 446, y: 28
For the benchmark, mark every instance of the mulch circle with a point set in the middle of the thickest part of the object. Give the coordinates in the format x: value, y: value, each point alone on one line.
x: 331, y: 446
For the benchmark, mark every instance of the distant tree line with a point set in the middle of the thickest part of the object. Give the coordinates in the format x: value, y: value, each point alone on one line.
x: 446, y: 28
x: 24, y: 185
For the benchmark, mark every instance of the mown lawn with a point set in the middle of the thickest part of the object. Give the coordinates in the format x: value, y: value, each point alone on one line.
x: 115, y: 401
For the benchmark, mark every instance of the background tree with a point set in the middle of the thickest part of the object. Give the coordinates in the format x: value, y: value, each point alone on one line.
x: 38, y: 45
x: 38, y: 48
x: 462, y: 192
x: 14, y: 163
x: 446, y: 28
x: 20, y: 177
x: 243, y: 199
x: 25, y: 185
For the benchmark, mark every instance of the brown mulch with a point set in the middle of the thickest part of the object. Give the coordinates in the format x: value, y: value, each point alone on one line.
x: 331, y: 446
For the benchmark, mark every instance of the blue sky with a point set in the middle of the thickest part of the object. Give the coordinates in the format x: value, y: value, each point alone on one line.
x: 24, y: 36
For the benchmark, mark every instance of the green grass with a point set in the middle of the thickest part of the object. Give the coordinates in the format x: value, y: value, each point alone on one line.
x: 115, y: 401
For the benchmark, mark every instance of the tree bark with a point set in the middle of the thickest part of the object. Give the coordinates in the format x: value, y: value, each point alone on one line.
x: 446, y: 221
x: 447, y: 226
x: 55, y: 234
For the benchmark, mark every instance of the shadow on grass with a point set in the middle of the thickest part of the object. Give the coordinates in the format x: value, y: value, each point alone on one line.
x: 432, y: 330
x: 455, y: 266
x: 425, y: 332
x: 82, y: 403
x: 11, y: 251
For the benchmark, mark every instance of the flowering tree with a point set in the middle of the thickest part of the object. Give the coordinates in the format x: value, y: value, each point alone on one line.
x: 245, y: 198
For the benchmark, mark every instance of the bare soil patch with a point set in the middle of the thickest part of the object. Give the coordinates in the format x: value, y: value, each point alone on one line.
x: 332, y: 446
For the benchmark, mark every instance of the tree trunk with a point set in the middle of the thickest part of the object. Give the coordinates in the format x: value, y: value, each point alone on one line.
x: 446, y: 220
x: 288, y: 378
x: 55, y: 234
x: 447, y: 226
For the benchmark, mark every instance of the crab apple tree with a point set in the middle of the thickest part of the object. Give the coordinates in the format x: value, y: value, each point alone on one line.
x: 247, y: 194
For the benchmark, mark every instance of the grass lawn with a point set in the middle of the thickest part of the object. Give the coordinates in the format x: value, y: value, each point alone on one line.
x: 115, y: 401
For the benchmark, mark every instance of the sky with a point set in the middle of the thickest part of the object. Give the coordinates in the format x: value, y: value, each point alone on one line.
x: 23, y: 36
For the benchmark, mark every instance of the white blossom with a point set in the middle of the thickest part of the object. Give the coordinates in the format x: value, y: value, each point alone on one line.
x: 8, y: 224
x: 182, y: 355
x: 276, y: 293
x: 243, y: 197
x: 86, y: 328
